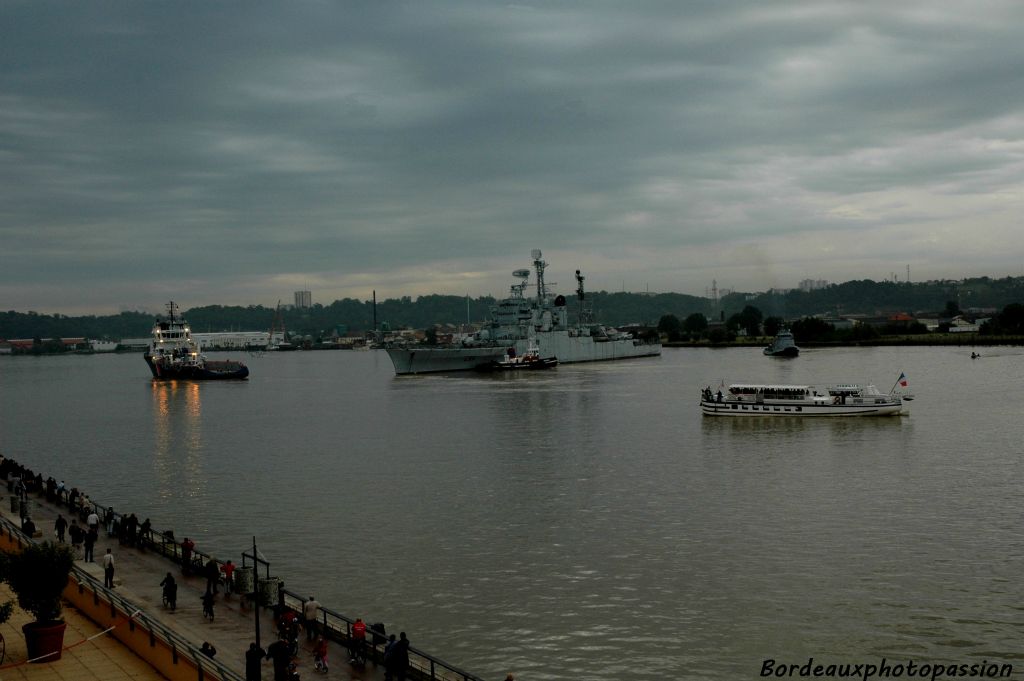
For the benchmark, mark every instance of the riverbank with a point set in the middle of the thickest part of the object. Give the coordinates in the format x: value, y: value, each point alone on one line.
x: 143, y: 559
x: 922, y: 340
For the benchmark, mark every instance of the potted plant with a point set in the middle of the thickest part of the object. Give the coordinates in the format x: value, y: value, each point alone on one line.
x: 38, y: 575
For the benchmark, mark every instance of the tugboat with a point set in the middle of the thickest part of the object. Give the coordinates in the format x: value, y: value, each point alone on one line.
x: 173, y: 355
x: 529, y: 361
x: 783, y: 345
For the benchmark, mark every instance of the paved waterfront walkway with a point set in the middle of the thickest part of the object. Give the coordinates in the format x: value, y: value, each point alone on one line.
x: 102, y: 658
x: 137, y: 578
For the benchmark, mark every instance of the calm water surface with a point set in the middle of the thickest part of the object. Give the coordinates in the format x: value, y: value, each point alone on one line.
x: 586, y: 523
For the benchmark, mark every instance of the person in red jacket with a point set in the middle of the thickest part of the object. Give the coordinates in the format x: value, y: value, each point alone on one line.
x: 358, y: 641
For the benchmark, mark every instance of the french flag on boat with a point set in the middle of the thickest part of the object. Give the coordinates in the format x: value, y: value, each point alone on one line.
x: 902, y: 380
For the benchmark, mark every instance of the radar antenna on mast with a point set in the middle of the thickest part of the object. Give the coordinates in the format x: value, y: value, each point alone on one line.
x: 586, y: 313
x: 539, y: 265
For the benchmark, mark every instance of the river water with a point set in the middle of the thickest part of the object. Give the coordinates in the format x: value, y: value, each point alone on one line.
x: 583, y: 523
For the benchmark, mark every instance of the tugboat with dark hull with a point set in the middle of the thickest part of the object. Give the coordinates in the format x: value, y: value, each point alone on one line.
x: 531, y: 361
x: 783, y: 345
x: 173, y: 355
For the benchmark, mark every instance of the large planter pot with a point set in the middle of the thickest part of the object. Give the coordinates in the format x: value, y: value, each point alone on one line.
x: 42, y: 638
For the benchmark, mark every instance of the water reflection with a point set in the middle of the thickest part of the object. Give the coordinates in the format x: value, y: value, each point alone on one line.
x: 178, y: 437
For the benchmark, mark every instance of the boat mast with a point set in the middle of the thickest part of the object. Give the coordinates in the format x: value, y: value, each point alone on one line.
x: 539, y: 265
x: 586, y: 316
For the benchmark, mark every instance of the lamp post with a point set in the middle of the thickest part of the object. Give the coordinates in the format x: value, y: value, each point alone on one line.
x: 255, y: 593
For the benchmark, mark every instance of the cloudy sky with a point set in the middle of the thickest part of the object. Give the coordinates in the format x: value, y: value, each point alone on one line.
x: 234, y: 152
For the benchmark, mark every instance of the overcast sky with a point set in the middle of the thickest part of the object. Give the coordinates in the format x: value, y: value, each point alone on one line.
x: 234, y: 152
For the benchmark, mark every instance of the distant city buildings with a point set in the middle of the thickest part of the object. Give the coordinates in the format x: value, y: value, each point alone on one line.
x: 808, y: 285
x: 303, y: 300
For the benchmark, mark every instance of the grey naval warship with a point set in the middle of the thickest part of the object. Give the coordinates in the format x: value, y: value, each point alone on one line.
x: 522, y: 323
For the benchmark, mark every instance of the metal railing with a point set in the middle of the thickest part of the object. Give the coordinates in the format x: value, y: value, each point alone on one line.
x: 179, y: 646
x: 338, y: 627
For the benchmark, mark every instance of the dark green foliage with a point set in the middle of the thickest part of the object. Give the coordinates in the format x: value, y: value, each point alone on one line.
x: 695, y: 324
x: 811, y: 329
x: 617, y: 309
x: 1009, y: 321
x: 38, y: 576
x: 670, y: 325
x: 772, y: 325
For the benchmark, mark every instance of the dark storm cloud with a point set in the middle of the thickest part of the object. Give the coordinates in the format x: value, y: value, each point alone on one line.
x: 232, y: 152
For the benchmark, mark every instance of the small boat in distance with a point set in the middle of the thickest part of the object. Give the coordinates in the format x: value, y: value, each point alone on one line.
x: 174, y: 355
x: 530, y: 361
x: 278, y: 338
x: 783, y: 345
x: 752, y: 399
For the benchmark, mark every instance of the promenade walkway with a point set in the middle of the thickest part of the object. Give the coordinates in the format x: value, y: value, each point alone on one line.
x: 91, y: 655
x: 137, y: 578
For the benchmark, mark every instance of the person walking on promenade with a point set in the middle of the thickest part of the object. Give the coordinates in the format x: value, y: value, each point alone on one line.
x: 133, y: 529
x: 108, y: 569
x: 279, y: 653
x: 208, y: 649
x: 309, y: 615
x: 76, y: 535
x: 358, y: 641
x: 253, y: 657
x: 60, y: 526
x: 207, y: 599
x: 90, y: 544
x: 228, y: 568
x: 212, y: 575
x: 401, y: 655
x: 170, y: 591
x: 93, y: 521
x: 186, y: 555
x: 320, y: 654
x: 389, y: 658
x: 108, y: 520
x: 145, y: 533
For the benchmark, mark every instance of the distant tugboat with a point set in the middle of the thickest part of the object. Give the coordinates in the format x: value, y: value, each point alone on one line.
x: 782, y: 346
x: 173, y: 355
x: 531, y: 361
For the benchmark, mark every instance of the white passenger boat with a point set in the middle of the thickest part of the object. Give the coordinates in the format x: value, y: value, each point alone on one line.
x: 750, y: 399
x: 519, y: 321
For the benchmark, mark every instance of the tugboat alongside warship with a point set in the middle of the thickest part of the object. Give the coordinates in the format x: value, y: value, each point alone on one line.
x: 174, y: 355
x: 520, y: 322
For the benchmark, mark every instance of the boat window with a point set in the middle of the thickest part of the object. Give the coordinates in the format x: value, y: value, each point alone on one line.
x: 799, y: 408
x: 734, y: 406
